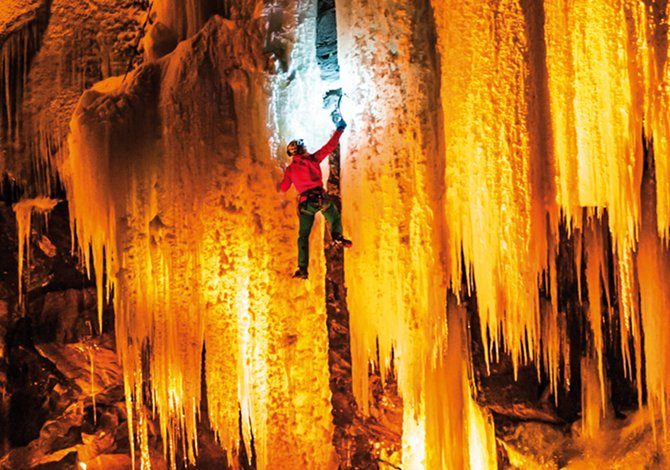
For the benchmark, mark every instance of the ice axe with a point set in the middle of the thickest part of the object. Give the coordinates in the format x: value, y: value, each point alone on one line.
x: 334, y: 98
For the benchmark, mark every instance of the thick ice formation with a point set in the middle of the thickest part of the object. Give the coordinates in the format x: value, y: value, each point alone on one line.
x: 172, y: 184
x: 536, y: 127
x: 494, y: 198
x: 393, y: 197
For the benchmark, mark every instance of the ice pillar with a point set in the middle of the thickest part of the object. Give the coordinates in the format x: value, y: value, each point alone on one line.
x: 496, y: 211
x: 393, y: 196
x: 171, y: 182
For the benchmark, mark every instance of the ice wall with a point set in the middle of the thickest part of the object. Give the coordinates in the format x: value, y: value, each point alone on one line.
x: 494, y: 200
x: 171, y: 181
x: 393, y: 197
x: 494, y: 134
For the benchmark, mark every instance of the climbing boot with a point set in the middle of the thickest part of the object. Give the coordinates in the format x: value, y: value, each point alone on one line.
x: 338, y: 239
x: 301, y: 273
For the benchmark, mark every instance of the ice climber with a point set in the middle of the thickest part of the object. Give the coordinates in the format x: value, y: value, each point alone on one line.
x: 304, y: 172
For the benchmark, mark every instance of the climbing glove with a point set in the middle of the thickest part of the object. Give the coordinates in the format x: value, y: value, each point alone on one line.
x: 341, y: 125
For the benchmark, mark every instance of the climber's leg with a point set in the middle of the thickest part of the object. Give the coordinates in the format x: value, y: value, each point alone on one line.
x: 306, y: 223
x: 332, y: 215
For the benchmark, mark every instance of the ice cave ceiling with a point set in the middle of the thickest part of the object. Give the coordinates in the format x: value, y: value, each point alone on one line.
x: 504, y: 177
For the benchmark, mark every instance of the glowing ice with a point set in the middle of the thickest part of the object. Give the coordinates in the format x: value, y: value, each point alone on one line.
x: 174, y: 192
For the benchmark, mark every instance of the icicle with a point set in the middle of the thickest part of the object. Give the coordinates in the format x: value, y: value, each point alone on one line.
x: 23, y: 217
x: 596, y: 275
x: 594, y: 411
x: 24, y: 210
x: 554, y: 336
x: 496, y: 217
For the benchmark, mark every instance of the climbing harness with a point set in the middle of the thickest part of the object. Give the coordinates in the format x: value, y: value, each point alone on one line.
x: 316, y: 197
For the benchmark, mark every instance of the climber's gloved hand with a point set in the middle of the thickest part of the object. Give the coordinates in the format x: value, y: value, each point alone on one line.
x: 341, y: 125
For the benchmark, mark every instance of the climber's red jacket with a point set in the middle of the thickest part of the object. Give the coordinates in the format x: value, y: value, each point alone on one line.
x: 304, y: 171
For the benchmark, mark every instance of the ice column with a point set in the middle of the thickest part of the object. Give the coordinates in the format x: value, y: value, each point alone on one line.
x: 597, y: 114
x: 496, y: 215
x: 171, y: 182
x: 393, y: 196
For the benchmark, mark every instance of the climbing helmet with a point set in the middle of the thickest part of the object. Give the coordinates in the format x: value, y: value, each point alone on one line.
x: 295, y: 147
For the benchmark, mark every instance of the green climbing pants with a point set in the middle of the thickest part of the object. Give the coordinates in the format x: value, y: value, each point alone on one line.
x: 307, y: 212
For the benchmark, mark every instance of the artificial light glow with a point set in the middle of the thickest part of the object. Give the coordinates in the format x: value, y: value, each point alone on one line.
x: 297, y: 93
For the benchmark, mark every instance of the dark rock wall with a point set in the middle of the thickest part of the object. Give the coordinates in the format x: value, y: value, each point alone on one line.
x: 326, y: 40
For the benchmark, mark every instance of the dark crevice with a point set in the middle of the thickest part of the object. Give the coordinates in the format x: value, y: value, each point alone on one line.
x: 326, y: 40
x: 353, y: 449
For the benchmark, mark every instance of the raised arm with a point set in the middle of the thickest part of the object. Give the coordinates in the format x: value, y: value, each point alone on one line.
x: 285, y: 183
x: 327, y: 149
